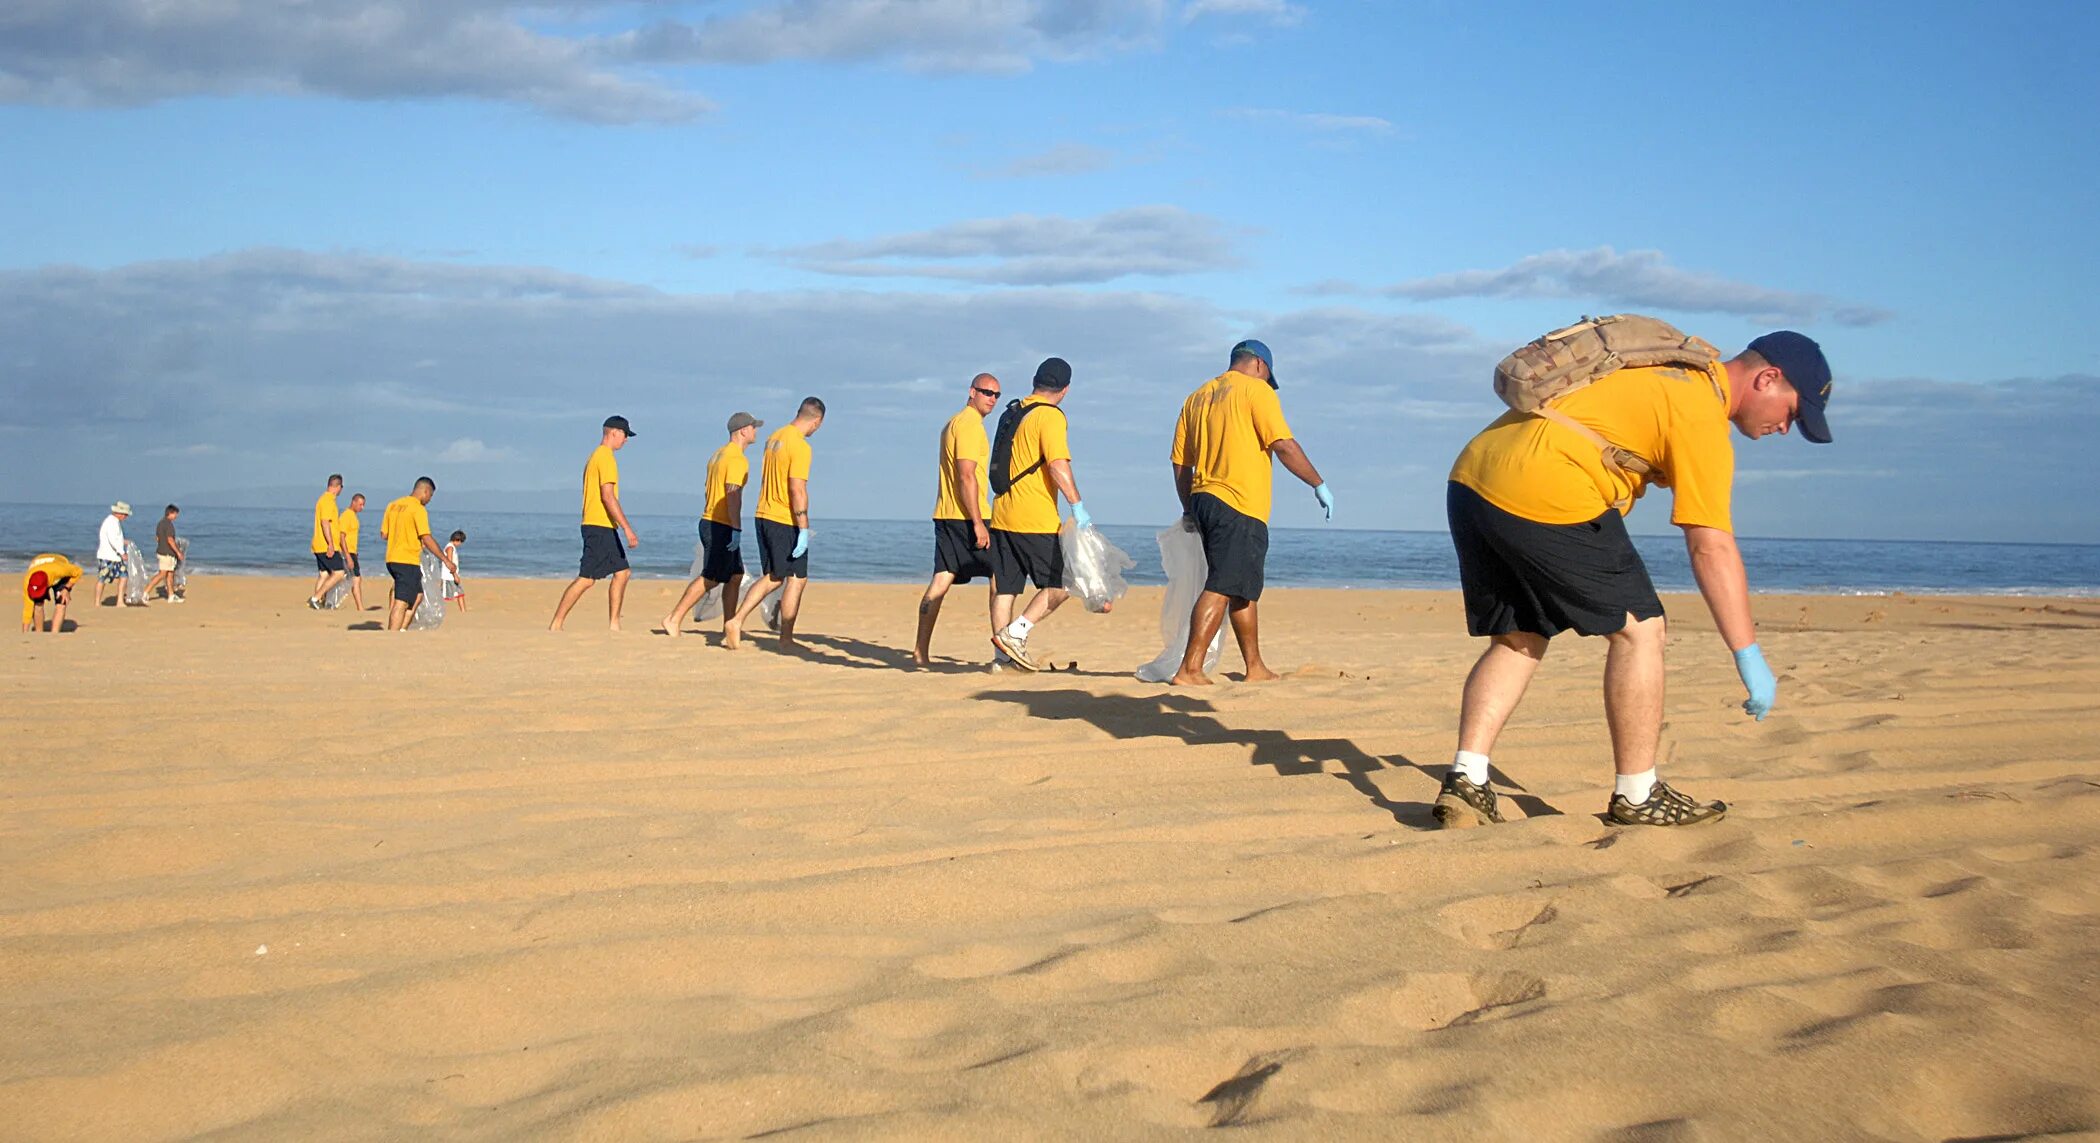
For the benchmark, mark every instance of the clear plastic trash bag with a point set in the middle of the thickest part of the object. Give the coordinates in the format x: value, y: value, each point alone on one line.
x: 135, y: 574
x: 430, y: 610
x: 181, y: 583
x: 340, y: 593
x: 1093, y: 567
x: 769, y: 612
x: 1181, y: 556
x: 710, y: 604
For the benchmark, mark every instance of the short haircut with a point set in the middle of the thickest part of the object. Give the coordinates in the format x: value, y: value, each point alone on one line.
x: 356, y: 496
x: 810, y: 405
x: 335, y: 478
x: 459, y: 537
x: 170, y: 510
x: 1243, y: 355
x: 423, y: 480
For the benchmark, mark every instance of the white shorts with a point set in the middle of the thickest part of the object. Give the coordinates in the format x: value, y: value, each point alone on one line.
x: 167, y: 563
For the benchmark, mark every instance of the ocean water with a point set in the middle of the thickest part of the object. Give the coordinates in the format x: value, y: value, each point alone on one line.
x: 545, y: 545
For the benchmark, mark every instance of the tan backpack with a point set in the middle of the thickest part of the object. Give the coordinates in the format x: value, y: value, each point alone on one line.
x: 1531, y: 379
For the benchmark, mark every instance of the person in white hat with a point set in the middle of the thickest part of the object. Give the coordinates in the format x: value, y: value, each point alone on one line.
x: 109, y: 551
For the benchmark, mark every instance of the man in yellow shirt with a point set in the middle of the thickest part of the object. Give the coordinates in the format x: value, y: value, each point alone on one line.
x: 49, y: 579
x: 1024, y: 518
x: 783, y: 524
x: 348, y: 527
x: 721, y: 524
x: 406, y: 526
x: 962, y: 503
x: 1228, y: 430
x: 327, y: 544
x: 1542, y: 550
x: 603, y: 557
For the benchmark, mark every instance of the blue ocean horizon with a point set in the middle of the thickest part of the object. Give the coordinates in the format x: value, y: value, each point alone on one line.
x: 544, y: 545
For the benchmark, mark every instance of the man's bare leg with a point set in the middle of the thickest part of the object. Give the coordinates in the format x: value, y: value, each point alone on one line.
x: 1204, y: 620
x: 730, y: 588
x: 1246, y: 628
x: 1495, y: 686
x: 357, y: 592
x: 733, y: 626
x: 569, y: 596
x: 790, y: 607
x: 397, y: 614
x: 1046, y: 601
x: 1633, y: 694
x: 930, y: 614
x: 686, y: 599
x: 615, y: 596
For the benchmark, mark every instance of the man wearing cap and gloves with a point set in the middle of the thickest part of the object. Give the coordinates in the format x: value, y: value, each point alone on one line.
x: 1536, y: 515
x: 109, y: 551
x: 783, y: 526
x: 50, y: 580
x: 1226, y: 434
x: 721, y: 524
x: 603, y: 557
x: 1024, y: 518
x: 962, y: 505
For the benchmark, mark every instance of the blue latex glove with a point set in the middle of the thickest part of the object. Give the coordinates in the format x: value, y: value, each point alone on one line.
x: 1758, y: 680
x: 1326, y: 499
x: 801, y: 544
x: 1079, y: 515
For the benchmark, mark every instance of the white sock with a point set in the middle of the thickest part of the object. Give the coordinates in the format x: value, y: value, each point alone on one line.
x: 1020, y: 627
x: 1635, y: 787
x: 1473, y: 766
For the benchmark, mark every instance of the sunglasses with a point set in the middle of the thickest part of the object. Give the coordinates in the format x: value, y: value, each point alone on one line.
x: 985, y: 392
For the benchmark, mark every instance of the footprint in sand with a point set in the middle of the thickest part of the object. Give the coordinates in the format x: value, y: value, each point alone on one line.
x: 1500, y: 922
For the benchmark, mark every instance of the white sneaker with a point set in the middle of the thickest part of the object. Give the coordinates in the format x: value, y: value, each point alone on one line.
x: 176, y: 599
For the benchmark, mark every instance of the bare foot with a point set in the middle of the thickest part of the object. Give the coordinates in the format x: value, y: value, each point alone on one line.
x: 787, y: 644
x: 670, y: 628
x: 555, y: 627
x: 1261, y: 674
x: 921, y: 659
x: 614, y: 628
x: 1184, y: 679
x: 732, y: 636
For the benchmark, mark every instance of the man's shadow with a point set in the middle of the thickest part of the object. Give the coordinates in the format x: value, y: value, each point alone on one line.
x: 1188, y: 718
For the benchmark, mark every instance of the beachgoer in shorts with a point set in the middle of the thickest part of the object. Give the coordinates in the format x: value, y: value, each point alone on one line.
x: 347, y: 527
x: 721, y: 525
x: 1227, y: 432
x: 406, y: 527
x: 1024, y: 520
x: 109, y: 552
x: 49, y: 579
x: 449, y: 588
x: 783, y: 525
x: 327, y: 543
x: 603, y: 557
x: 962, y: 509
x: 167, y: 556
x: 1542, y: 549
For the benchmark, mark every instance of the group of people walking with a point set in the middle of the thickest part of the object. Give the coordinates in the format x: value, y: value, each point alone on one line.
x: 405, y: 528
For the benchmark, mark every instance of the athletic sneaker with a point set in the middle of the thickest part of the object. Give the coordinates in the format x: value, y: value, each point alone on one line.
x: 176, y: 599
x: 1462, y: 805
x: 313, y: 605
x: 1016, y: 650
x: 1664, y: 807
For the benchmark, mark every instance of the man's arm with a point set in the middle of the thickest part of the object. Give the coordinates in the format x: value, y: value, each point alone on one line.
x: 733, y: 497
x: 1717, y: 564
x: 1184, y: 481
x: 431, y: 546
x: 966, y: 486
x: 1061, y: 476
x: 609, y: 493
x: 328, y: 536
x: 1296, y: 462
x: 798, y: 501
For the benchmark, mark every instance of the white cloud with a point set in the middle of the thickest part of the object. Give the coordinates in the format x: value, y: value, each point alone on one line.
x: 470, y: 450
x: 1280, y: 12
x: 1636, y: 278
x: 1062, y: 159
x: 1035, y: 250
x: 1318, y: 122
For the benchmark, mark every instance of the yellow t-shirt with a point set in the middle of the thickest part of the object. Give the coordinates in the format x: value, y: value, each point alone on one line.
x: 346, y: 529
x: 1031, y: 504
x: 726, y: 469
x: 963, y: 438
x: 406, y: 522
x: 324, y: 513
x: 57, y: 569
x: 600, y: 470
x: 787, y: 455
x: 1677, y: 419
x: 1223, y: 437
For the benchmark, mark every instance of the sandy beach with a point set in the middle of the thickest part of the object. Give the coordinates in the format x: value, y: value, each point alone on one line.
x: 266, y: 877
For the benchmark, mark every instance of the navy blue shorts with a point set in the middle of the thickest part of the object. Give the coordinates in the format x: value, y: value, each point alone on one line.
x: 602, y: 554
x: 1521, y: 575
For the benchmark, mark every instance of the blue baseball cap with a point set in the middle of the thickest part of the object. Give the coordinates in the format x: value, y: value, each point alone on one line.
x: 1253, y: 348
x: 1801, y: 360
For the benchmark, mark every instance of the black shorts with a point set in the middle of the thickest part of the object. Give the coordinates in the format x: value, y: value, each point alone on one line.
x: 955, y: 551
x: 723, y: 554
x: 408, y: 581
x: 602, y: 554
x: 1018, y: 557
x: 775, y: 541
x: 1521, y: 575
x: 328, y: 563
x: 351, y: 565
x: 1235, y: 547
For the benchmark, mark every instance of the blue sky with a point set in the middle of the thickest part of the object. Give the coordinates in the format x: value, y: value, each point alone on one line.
x: 249, y: 242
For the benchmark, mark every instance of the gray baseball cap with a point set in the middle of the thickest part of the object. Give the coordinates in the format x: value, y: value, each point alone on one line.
x: 742, y: 420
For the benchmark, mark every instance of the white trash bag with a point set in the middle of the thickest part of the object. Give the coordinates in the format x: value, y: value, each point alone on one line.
x: 338, y: 594
x: 180, y: 586
x: 430, y: 610
x: 1093, y: 567
x: 769, y: 611
x: 135, y: 574
x: 710, y: 604
x: 1181, y: 555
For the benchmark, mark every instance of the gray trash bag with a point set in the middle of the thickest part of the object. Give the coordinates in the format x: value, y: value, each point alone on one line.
x: 710, y: 604
x: 340, y: 593
x: 1181, y: 555
x: 769, y: 612
x: 1093, y: 567
x: 180, y: 586
x: 430, y: 610
x: 135, y: 574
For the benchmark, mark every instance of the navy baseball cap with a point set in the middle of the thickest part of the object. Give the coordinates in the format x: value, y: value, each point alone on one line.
x: 1801, y: 359
x: 619, y: 423
x: 1251, y: 347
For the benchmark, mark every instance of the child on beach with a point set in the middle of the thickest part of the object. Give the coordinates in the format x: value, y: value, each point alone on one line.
x: 448, y: 584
